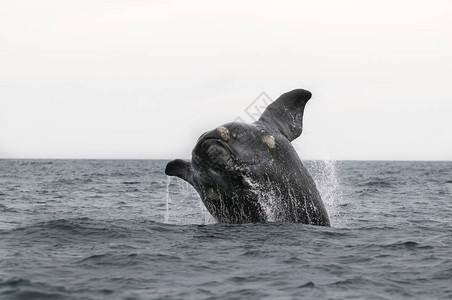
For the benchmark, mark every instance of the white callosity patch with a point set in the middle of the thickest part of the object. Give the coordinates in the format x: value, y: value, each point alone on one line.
x: 239, y: 135
x: 224, y: 133
x: 212, y: 194
x: 269, y: 141
x: 195, y: 157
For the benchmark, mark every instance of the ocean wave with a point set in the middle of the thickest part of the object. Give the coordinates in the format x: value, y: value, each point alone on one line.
x: 376, y: 183
x: 68, y: 229
x: 6, y: 209
x: 21, y: 288
x: 122, y: 260
x: 88, y: 228
x: 71, y: 181
x: 359, y: 280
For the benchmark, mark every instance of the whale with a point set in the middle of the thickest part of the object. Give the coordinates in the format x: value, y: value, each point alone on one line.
x: 250, y: 172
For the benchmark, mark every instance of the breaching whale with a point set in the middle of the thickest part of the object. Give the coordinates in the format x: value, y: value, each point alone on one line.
x: 251, y: 172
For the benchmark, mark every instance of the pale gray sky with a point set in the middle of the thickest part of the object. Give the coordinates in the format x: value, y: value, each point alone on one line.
x: 143, y: 79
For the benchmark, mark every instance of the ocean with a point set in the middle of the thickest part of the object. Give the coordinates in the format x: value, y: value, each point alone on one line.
x: 121, y: 229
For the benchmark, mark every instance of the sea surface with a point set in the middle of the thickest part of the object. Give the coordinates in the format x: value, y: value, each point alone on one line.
x: 120, y: 229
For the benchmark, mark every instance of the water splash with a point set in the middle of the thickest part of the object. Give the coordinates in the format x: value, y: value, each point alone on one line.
x: 325, y: 175
x: 184, y: 205
x: 266, y: 197
x: 168, y: 198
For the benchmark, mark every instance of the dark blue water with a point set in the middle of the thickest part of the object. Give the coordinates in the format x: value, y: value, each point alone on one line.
x: 100, y: 229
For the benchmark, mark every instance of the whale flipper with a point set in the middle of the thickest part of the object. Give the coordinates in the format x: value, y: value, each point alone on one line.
x: 181, y: 169
x: 286, y: 113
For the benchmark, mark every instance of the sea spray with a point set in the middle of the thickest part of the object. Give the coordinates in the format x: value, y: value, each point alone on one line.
x: 265, y: 197
x: 325, y: 175
x: 184, y: 206
x: 168, y: 198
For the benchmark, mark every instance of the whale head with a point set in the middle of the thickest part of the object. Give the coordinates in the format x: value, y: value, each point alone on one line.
x: 233, y: 147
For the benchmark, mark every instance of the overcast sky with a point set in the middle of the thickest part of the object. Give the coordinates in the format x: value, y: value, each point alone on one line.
x: 144, y: 79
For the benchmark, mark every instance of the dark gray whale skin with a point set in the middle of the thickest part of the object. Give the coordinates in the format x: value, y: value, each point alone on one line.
x: 251, y: 172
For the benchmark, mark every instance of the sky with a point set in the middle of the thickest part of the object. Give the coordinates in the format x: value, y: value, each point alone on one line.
x: 144, y: 79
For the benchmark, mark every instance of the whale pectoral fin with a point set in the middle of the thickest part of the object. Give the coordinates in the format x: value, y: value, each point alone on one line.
x: 286, y: 113
x: 181, y: 169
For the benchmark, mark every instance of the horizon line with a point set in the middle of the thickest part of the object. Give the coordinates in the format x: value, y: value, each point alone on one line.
x: 189, y: 159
